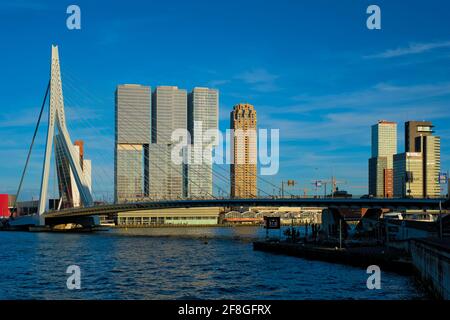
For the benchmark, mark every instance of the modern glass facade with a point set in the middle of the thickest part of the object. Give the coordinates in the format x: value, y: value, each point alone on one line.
x: 408, y: 175
x: 384, y: 141
x: 132, y: 137
x: 384, y: 147
x: 129, y: 173
x: 133, y: 114
x: 430, y: 146
x: 180, y: 216
x: 203, y: 106
x: 166, y: 177
x: 377, y: 167
x: 169, y: 112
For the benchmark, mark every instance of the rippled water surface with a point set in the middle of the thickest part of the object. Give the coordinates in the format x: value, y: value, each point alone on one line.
x: 176, y: 263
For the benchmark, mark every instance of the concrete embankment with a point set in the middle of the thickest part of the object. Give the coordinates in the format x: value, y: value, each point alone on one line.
x: 431, y: 260
x: 386, y: 259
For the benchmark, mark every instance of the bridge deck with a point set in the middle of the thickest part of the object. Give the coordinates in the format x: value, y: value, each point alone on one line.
x: 399, y: 204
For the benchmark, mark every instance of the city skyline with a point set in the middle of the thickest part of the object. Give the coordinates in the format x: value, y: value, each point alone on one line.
x: 333, y: 112
x: 413, y: 172
x: 193, y: 150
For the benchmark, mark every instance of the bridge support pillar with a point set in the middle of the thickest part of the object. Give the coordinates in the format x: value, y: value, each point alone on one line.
x: 57, y: 120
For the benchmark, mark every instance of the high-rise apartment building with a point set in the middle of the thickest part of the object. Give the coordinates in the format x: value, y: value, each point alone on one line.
x: 384, y: 140
x: 377, y: 171
x: 416, y: 172
x: 132, y: 138
x: 414, y: 129
x: 203, y: 106
x: 166, y: 177
x: 430, y: 147
x: 384, y: 147
x: 408, y: 175
x: 244, y: 166
x: 169, y: 112
x: 67, y: 187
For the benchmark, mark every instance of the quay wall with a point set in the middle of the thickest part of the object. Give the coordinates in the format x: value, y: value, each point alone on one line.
x: 431, y: 259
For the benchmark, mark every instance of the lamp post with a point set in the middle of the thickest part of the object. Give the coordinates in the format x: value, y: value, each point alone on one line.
x: 289, y: 183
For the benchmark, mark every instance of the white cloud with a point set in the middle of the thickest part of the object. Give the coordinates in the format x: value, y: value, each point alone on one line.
x: 413, y: 48
x: 345, y: 118
x: 217, y: 83
x: 382, y: 95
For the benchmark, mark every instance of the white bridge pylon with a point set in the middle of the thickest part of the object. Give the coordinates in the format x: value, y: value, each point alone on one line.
x: 56, y: 116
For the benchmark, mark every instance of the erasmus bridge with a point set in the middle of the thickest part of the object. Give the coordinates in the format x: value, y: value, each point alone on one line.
x: 86, y: 214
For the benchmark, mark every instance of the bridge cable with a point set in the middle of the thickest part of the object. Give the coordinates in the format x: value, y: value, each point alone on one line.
x: 158, y: 145
x: 31, y: 147
x: 226, y: 179
x: 214, y: 172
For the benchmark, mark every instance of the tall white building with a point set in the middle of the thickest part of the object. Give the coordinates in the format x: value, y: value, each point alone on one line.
x: 384, y: 147
x: 132, y: 137
x: 203, y: 106
x: 384, y: 141
x: 169, y: 112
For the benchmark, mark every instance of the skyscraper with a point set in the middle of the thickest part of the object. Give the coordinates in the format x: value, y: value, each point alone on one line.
x: 408, y: 175
x: 244, y: 166
x: 169, y: 112
x: 416, y: 172
x: 384, y: 147
x: 414, y: 129
x: 203, y: 106
x: 132, y: 138
x: 430, y: 147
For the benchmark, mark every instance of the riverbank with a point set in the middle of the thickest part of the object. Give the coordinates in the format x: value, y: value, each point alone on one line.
x: 431, y: 261
x: 389, y: 259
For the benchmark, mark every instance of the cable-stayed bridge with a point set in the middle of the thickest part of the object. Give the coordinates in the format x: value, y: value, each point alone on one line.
x: 58, y: 133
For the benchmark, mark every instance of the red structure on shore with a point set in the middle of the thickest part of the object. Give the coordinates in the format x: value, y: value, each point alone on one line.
x: 4, y: 206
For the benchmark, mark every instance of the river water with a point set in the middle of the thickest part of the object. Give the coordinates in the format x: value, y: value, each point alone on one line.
x: 177, y: 263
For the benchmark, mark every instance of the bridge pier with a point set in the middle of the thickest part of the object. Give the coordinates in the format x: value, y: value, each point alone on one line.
x: 84, y: 221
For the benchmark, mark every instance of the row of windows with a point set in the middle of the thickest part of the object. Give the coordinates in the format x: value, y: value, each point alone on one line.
x: 161, y: 220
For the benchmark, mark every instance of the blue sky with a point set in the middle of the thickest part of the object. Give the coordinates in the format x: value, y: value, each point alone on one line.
x: 311, y: 69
